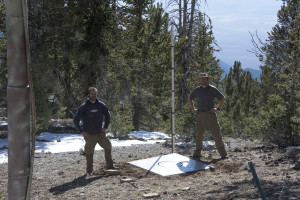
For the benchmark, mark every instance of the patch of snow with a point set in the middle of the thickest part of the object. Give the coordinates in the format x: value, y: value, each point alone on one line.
x: 192, y: 144
x: 4, y: 152
x: 146, y: 135
x: 3, y: 156
x: 56, y: 143
x: 3, y: 123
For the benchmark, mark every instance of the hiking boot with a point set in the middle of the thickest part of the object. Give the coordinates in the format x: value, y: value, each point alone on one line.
x: 90, y: 173
x: 112, y: 167
x: 224, y: 157
x: 81, y: 152
x: 197, y: 154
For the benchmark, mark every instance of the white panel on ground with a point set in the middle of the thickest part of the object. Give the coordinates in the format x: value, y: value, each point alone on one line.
x: 170, y: 164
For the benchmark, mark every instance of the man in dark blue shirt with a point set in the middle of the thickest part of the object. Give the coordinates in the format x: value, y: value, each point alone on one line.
x: 91, y: 113
x: 205, y: 112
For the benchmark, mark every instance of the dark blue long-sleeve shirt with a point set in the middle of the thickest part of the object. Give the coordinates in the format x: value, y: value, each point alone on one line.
x: 91, y: 115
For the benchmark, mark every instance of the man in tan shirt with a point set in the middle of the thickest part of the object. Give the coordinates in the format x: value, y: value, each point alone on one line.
x: 205, y: 112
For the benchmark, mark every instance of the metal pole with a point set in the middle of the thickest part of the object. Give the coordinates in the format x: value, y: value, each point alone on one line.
x: 173, y: 90
x: 260, y: 189
x: 18, y: 104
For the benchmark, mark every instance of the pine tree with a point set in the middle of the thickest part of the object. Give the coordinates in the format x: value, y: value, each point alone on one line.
x: 69, y: 41
x: 146, y: 52
x: 202, y: 51
x: 280, y: 76
x: 240, y: 110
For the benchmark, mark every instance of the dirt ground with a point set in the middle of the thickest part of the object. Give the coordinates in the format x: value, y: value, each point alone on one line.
x: 62, y: 176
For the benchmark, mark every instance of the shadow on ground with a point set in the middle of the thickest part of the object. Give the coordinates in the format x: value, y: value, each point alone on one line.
x: 78, y: 182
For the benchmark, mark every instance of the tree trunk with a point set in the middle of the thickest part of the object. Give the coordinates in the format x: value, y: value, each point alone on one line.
x: 18, y: 104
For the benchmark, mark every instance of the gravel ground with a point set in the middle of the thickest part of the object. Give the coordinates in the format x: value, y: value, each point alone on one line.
x: 62, y: 175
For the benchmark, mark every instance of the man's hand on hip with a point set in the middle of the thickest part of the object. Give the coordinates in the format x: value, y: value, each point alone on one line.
x: 84, y: 134
x: 214, y: 110
x: 196, y: 112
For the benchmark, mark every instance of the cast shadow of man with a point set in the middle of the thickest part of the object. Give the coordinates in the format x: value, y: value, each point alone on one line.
x: 77, y: 182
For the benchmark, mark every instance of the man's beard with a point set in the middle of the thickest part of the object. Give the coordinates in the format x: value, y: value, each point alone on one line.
x: 204, y: 83
x: 92, y: 98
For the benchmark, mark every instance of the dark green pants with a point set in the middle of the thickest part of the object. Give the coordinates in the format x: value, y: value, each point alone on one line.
x: 90, y: 143
x: 208, y: 120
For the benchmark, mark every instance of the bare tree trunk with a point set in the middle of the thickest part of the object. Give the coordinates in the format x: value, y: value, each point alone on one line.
x: 138, y: 109
x: 185, y: 7
x: 191, y: 25
x: 17, y: 101
x: 188, y: 46
x: 186, y: 24
x: 180, y: 19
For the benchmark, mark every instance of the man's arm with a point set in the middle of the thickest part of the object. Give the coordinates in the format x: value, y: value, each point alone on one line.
x: 222, y: 101
x: 192, y: 106
x: 76, y: 121
x: 220, y: 106
x: 107, y: 118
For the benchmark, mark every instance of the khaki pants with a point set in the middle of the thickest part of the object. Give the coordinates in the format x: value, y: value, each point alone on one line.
x: 90, y: 143
x: 208, y: 120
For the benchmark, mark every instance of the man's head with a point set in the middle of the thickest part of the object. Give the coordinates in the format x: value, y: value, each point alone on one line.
x: 93, y: 92
x: 203, y: 79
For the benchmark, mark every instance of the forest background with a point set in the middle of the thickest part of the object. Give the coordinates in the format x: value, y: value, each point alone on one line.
x: 123, y: 49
